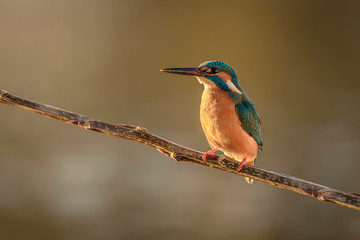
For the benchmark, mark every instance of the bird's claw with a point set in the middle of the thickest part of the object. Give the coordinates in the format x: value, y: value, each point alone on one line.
x: 209, y: 153
x: 241, y: 164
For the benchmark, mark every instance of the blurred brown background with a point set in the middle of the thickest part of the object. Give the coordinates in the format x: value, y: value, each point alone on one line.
x: 297, y: 60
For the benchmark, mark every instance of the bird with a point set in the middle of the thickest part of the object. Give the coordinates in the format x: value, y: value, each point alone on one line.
x: 228, y: 117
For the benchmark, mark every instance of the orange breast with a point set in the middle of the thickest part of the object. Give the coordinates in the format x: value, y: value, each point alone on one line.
x: 222, y: 126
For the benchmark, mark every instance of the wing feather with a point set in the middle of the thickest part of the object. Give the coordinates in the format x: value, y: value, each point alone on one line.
x: 248, y: 116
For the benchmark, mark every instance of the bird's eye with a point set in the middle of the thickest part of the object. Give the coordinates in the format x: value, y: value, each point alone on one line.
x: 214, y: 70
x: 209, y: 70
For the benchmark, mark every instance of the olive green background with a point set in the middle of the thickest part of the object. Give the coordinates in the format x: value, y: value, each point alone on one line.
x: 299, y: 61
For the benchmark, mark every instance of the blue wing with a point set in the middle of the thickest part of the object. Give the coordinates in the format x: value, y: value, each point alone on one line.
x: 249, y: 118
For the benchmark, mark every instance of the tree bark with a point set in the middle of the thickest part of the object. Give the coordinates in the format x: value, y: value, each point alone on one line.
x: 180, y: 153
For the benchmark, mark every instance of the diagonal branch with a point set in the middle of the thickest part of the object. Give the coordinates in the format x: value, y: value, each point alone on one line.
x: 180, y: 153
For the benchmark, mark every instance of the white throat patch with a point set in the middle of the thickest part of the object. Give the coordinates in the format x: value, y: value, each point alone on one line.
x: 207, y: 83
x: 233, y: 87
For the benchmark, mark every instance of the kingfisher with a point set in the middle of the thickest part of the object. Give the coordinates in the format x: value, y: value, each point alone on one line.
x: 228, y: 118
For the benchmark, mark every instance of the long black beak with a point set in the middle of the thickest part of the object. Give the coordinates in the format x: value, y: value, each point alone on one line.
x: 184, y: 71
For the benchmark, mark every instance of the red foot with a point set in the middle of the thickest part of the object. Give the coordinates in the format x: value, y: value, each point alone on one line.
x: 241, y: 164
x: 211, y: 152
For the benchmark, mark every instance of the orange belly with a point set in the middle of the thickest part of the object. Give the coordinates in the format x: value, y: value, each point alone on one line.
x: 222, y: 126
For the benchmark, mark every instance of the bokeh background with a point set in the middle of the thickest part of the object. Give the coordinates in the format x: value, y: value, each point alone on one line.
x: 299, y: 61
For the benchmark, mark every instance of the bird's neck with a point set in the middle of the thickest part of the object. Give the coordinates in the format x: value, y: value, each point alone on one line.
x: 233, y: 91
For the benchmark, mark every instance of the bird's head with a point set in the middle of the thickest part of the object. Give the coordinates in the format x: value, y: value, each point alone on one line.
x: 212, y: 74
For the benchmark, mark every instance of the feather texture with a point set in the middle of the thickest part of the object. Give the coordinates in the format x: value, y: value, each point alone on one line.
x: 248, y: 116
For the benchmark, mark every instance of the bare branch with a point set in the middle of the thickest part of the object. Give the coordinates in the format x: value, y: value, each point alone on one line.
x: 180, y: 153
